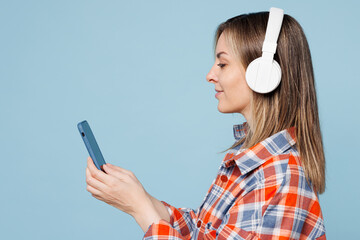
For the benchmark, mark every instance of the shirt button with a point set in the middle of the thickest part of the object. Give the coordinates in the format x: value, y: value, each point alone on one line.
x: 224, y: 178
x: 199, y: 223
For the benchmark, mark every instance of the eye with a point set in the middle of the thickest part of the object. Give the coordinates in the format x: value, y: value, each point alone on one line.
x: 221, y: 65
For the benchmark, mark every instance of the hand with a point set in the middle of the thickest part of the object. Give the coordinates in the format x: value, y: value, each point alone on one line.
x: 117, y: 187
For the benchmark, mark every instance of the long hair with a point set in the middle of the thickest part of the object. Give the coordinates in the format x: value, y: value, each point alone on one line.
x: 294, y: 102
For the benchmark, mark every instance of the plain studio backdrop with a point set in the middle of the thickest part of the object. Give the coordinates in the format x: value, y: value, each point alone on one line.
x: 135, y: 70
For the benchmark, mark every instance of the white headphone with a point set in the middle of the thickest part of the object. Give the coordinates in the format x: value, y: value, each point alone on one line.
x: 263, y: 74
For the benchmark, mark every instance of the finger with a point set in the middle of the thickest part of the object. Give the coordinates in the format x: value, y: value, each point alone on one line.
x: 93, y: 191
x: 98, y: 174
x: 93, y: 182
x: 91, y: 162
x: 87, y: 173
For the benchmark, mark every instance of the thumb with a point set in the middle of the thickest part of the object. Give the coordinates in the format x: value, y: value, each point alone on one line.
x: 111, y: 171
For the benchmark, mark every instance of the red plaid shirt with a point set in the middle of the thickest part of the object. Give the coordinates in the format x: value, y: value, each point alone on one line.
x: 259, y: 193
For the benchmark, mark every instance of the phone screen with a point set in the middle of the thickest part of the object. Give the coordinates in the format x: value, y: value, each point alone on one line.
x: 91, y: 144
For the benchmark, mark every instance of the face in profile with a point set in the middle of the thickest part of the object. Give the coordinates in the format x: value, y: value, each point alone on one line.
x: 228, y: 75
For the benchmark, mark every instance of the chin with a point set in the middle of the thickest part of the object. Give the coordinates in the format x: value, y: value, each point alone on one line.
x: 224, y: 110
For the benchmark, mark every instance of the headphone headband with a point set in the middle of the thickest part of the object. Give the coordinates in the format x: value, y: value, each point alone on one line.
x: 276, y: 16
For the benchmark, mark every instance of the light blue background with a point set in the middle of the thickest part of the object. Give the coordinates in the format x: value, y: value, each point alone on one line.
x: 136, y: 71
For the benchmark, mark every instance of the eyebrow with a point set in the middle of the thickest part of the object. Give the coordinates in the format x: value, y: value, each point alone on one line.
x: 218, y: 54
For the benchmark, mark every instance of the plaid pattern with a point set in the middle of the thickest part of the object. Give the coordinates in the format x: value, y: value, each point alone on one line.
x: 259, y: 193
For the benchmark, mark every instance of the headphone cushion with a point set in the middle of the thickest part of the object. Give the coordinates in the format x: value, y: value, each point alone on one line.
x: 265, y: 84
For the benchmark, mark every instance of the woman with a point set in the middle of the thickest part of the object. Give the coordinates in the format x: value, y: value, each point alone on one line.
x: 268, y: 183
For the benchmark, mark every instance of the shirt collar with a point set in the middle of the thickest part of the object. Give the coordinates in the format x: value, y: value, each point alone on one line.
x: 250, y: 158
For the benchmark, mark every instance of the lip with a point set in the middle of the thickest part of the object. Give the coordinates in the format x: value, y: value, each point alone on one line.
x: 217, y: 94
x: 218, y: 90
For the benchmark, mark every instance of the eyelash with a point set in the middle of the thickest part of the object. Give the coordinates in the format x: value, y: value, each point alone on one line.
x: 221, y: 65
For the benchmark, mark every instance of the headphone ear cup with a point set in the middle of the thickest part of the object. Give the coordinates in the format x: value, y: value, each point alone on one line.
x: 251, y: 73
x: 262, y: 84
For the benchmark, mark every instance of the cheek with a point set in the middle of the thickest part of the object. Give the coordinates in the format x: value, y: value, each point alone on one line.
x: 238, y: 85
x: 245, y: 90
x: 240, y: 92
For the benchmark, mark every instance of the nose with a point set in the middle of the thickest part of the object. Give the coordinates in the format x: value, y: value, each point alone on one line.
x: 211, y: 76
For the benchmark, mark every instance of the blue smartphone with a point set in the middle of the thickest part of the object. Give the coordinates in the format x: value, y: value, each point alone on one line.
x: 91, y: 144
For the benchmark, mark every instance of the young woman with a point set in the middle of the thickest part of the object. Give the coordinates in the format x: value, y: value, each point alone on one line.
x: 268, y: 182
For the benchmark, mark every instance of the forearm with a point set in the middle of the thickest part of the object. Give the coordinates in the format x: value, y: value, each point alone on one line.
x: 146, y: 216
x: 160, y: 208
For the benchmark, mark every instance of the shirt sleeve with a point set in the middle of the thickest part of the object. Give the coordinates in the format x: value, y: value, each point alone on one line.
x: 180, y: 226
x: 281, y: 206
x: 281, y: 220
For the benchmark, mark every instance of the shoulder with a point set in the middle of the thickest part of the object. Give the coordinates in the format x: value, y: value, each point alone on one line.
x: 286, y: 172
x: 286, y: 190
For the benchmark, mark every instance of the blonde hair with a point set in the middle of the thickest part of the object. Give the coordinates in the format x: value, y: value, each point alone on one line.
x: 294, y: 101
